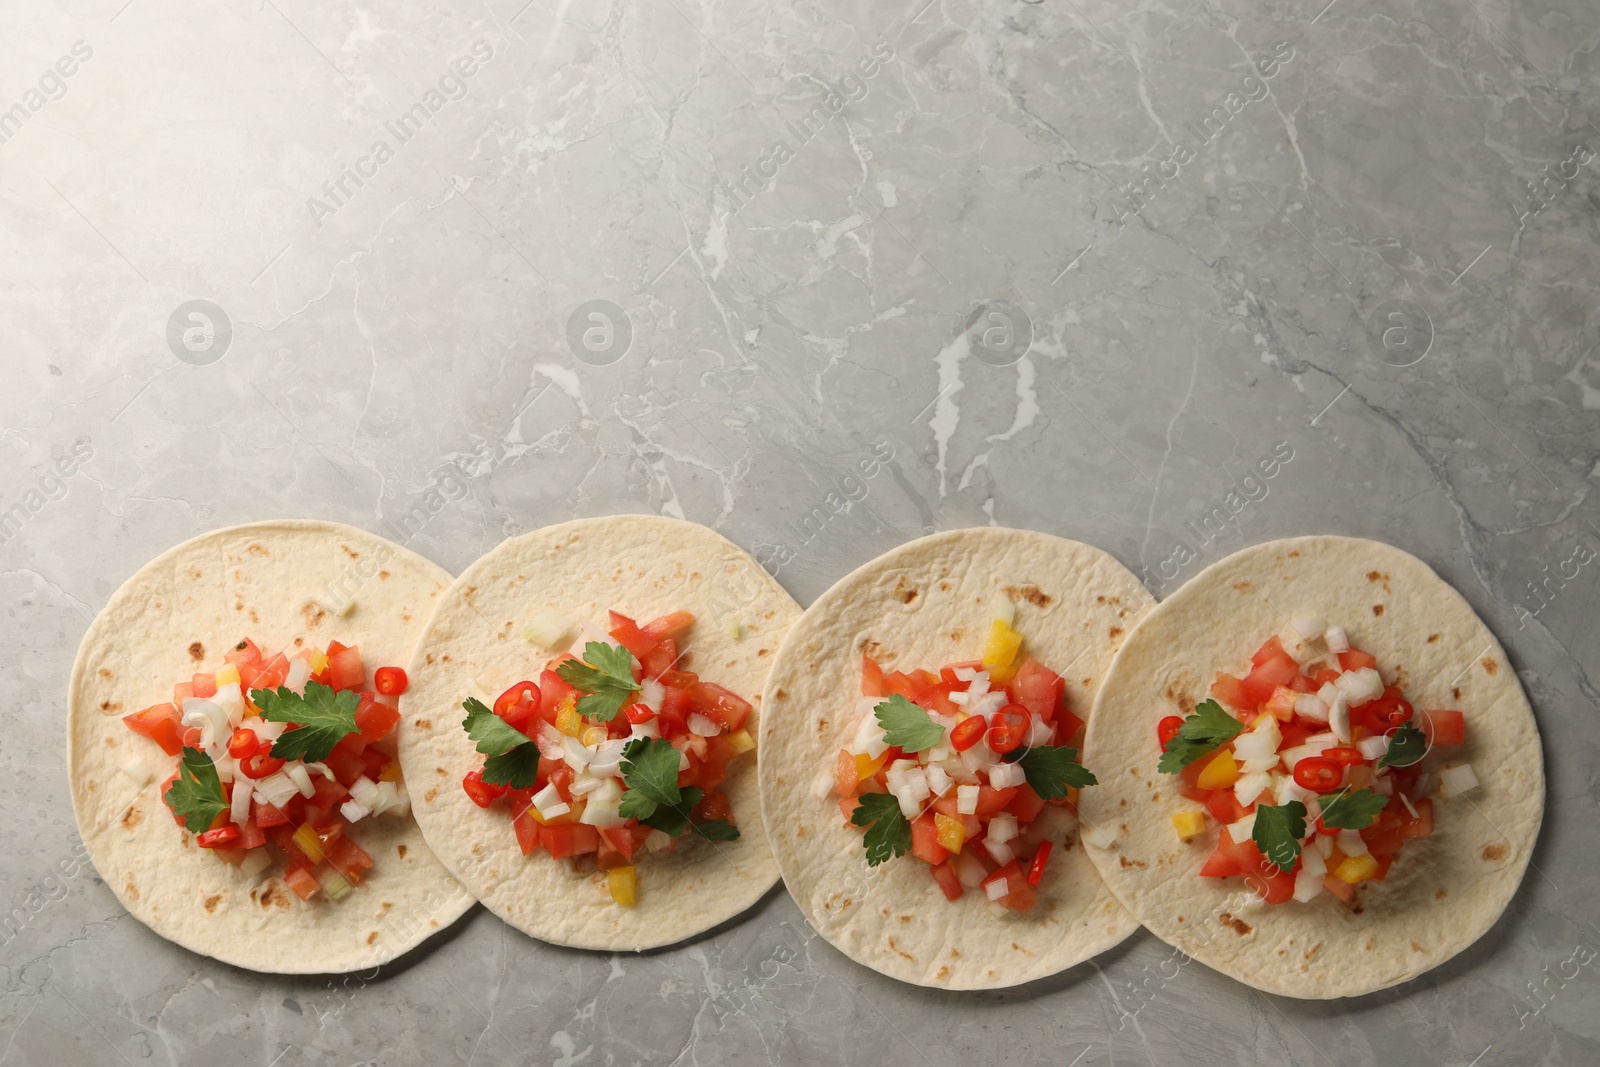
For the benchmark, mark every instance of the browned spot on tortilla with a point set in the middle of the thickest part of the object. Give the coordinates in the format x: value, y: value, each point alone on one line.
x: 1371, y: 943
x: 1126, y: 862
x: 430, y: 657
x: 904, y: 918
x: 431, y: 794
x: 944, y: 587
x: 899, y: 951
x: 402, y: 850
x: 257, y: 549
x: 1114, y: 633
x: 254, y: 616
x: 212, y: 902
x: 1313, y: 950
x: 1122, y: 802
x: 1441, y: 893
x: 1489, y: 665
x: 1180, y: 918
x: 130, y: 889
x: 440, y: 770
x: 424, y: 724
x: 1433, y: 638
x: 372, y: 937
x: 1099, y: 600
x: 905, y: 593
x: 197, y: 651
x: 383, y: 574
x: 105, y: 674
x: 110, y: 705
x: 274, y: 895
x: 89, y: 785
x: 1357, y: 908
x: 1295, y: 554
x: 760, y: 652
x: 955, y: 953
x: 1377, y: 609
x: 386, y: 905
x: 1020, y: 949
x: 779, y: 694
x: 1494, y: 852
x: 1031, y: 593
x: 1238, y: 926
x: 1243, y: 587
x: 445, y: 658
x: 1456, y: 693
x: 133, y: 817
x: 944, y: 971
x: 352, y: 553
x: 800, y: 831
x: 313, y: 615
x: 1417, y: 948
x: 1154, y: 796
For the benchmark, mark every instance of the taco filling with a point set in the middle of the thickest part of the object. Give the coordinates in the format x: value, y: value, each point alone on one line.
x: 955, y: 767
x: 613, y: 753
x: 1313, y: 770
x: 279, y: 757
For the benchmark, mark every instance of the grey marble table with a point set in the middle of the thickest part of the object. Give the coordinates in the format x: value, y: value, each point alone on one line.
x: 824, y: 277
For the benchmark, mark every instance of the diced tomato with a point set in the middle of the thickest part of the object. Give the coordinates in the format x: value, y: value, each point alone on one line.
x: 1019, y: 894
x: 251, y: 835
x: 244, y: 653
x: 1224, y: 806
x: 620, y: 839
x: 345, y: 670
x: 1038, y: 689
x: 723, y: 705
x: 161, y: 724
x: 1009, y: 728
x: 1036, y: 868
x: 937, y: 697
x: 375, y: 762
x: 1384, y: 714
x: 948, y: 671
x: 1443, y: 727
x: 1381, y: 841
x: 530, y: 835
x: 1167, y: 729
x: 968, y: 732
x: 676, y: 706
x: 181, y: 692
x: 1026, y: 805
x: 303, y: 882
x: 266, y: 816
x: 949, y: 884
x: 561, y: 778
x: 1420, y: 825
x: 260, y: 765
x: 1269, y: 882
x: 1355, y: 659
x: 190, y: 736
x: 204, y: 686
x: 1267, y: 676
x: 345, y: 761
x: 218, y: 838
x: 846, y: 777
x: 1324, y: 676
x: 626, y: 632
x: 1231, y: 857
x: 552, y: 690
x: 1318, y: 774
x: 1301, y: 684
x: 872, y: 677
x: 1340, y: 888
x: 375, y: 720
x: 390, y: 681
x: 348, y: 858
x: 1189, y: 781
x: 329, y: 793
x: 899, y: 683
x: 714, y: 805
x: 1270, y: 650
x: 1230, y: 691
x: 993, y: 801
x: 271, y: 673
x: 569, y: 839
x: 925, y: 840
x: 660, y: 659
x: 669, y: 627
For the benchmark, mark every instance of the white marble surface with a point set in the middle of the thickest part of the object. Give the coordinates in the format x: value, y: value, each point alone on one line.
x: 399, y: 359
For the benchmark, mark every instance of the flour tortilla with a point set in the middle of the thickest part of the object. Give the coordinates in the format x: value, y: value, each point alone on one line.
x: 643, y: 566
x: 922, y: 605
x: 1443, y: 892
x: 278, y: 583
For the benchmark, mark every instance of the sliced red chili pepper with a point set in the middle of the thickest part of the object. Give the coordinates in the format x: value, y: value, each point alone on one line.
x: 505, y: 701
x: 390, y: 681
x: 1036, y: 870
x: 260, y: 764
x: 1318, y: 773
x: 243, y: 744
x: 1009, y: 728
x: 1167, y: 729
x: 968, y: 732
x: 1344, y: 754
x: 482, y: 793
x: 638, y: 713
x: 218, y: 838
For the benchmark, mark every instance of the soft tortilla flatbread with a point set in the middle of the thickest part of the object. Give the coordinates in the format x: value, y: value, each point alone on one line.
x: 643, y: 566
x: 278, y: 583
x: 1443, y: 892
x: 924, y: 604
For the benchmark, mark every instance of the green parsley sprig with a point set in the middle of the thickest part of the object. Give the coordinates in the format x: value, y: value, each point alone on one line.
x: 1201, y: 734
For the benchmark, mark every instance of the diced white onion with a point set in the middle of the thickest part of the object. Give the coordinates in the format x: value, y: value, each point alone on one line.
x: 1382, y: 783
x: 547, y: 629
x: 1311, y: 706
x: 599, y: 814
x: 353, y: 811
x: 991, y: 703
x: 1307, y: 885
x: 1040, y: 733
x: 683, y: 761
x: 1250, y: 786
x: 1324, y: 846
x: 1307, y: 626
x: 209, y: 717
x: 650, y: 729
x: 980, y: 757
x: 938, y: 781
x: 1285, y: 789
x: 582, y: 784
x: 822, y: 784
x: 276, y: 789
x: 255, y: 861
x: 1001, y: 851
x: 134, y: 766
x: 1314, y: 861
x: 910, y: 807
x: 574, y: 753
x: 656, y: 840
x: 300, y: 777
x: 607, y: 758
x: 364, y: 791
x: 299, y: 675
x: 967, y: 799
x: 1006, y: 775
x: 239, y: 809
x: 1003, y: 827
x: 1337, y: 641
x: 997, y: 888
x: 1262, y: 741
x: 1365, y: 685
x: 1328, y: 693
x: 231, y: 700
x: 1453, y: 781
x: 701, y: 726
x: 1240, y: 831
x: 1373, y: 747
x: 1099, y: 836
x: 970, y: 870
x: 548, y: 803
x: 1005, y: 610
x: 227, y: 767
x: 1339, y: 720
x: 936, y: 754
x: 550, y: 741
x: 870, y: 740
x: 399, y: 801
x: 1350, y: 843
x: 1258, y: 764
x: 264, y: 730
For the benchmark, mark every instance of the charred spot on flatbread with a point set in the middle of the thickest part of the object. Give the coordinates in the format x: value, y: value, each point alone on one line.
x: 197, y: 651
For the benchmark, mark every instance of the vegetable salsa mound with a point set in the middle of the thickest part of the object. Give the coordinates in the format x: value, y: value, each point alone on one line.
x: 279, y: 757
x: 613, y: 753
x: 1311, y: 767
x: 956, y: 767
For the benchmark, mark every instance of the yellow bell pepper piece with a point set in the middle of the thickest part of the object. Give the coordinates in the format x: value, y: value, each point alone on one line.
x: 228, y: 675
x: 307, y: 841
x: 1220, y: 773
x: 1189, y: 824
x: 593, y: 735
x: 1357, y: 869
x: 391, y: 772
x: 568, y: 721
x: 1000, y: 654
x: 319, y: 661
x: 952, y: 835
x: 623, y: 884
x: 867, y: 766
x: 741, y: 742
